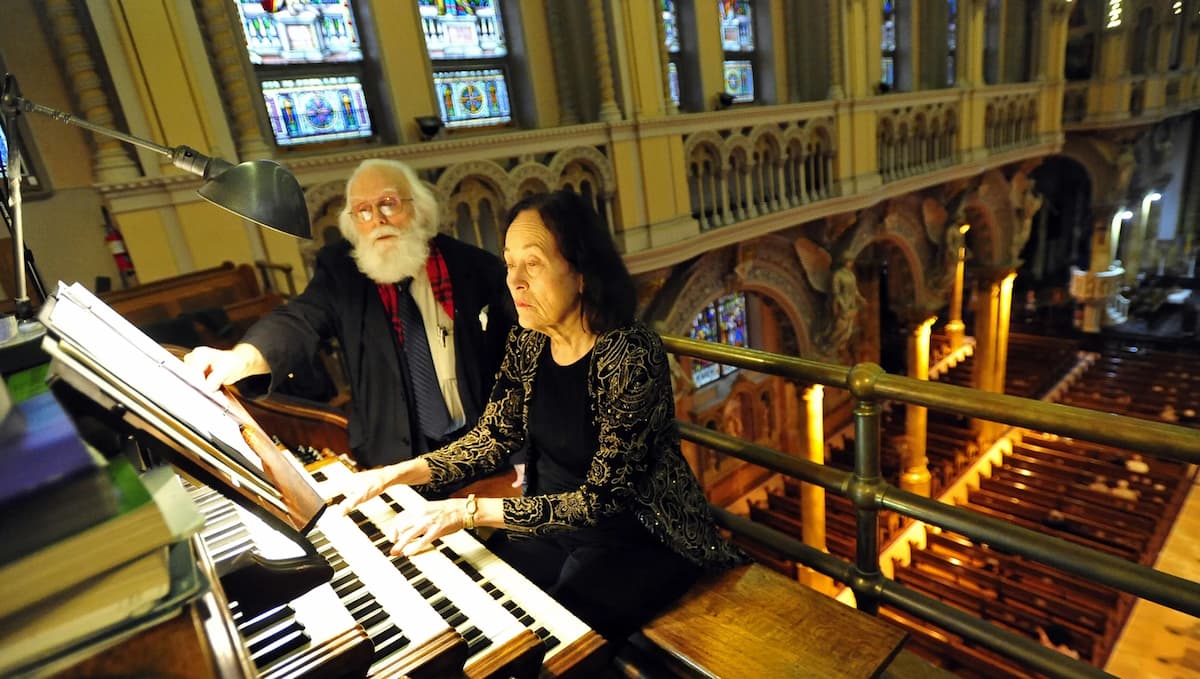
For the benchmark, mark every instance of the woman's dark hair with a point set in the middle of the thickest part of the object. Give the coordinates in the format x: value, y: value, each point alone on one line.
x: 609, y: 300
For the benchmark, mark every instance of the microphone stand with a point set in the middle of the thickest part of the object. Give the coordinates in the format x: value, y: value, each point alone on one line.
x: 22, y: 258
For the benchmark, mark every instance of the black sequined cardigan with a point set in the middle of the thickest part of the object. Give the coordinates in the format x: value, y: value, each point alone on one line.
x: 638, y: 467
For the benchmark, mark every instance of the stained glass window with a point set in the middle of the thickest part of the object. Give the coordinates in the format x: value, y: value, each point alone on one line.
x: 465, y: 40
x: 737, y: 26
x: 739, y: 80
x: 303, y: 32
x: 673, y: 81
x: 723, y: 321
x: 737, y: 41
x: 309, y: 110
x: 951, y: 41
x: 671, y: 23
x: 462, y: 29
x: 888, y: 45
x: 472, y: 98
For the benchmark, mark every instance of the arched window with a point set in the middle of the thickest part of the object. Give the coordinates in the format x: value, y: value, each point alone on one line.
x: 722, y: 321
x: 737, y: 41
x: 308, y: 57
x: 466, y: 43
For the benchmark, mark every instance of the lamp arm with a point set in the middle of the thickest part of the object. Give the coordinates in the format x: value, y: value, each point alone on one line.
x: 183, y: 157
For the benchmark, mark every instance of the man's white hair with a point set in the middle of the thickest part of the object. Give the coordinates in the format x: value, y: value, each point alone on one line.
x: 405, y: 250
x: 425, y: 211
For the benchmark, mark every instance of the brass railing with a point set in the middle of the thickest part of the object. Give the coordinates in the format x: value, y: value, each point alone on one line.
x: 870, y: 385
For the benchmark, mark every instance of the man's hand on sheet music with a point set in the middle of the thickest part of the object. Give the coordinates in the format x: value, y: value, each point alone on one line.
x: 220, y: 367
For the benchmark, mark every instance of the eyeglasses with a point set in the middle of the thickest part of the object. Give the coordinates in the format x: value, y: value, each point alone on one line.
x: 388, y: 206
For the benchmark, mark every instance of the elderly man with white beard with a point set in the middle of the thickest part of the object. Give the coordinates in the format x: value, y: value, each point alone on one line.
x: 421, y: 319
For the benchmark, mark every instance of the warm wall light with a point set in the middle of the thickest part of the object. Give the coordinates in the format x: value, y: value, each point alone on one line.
x: 430, y: 126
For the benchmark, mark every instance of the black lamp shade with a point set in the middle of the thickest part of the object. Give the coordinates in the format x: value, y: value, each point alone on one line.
x: 263, y: 192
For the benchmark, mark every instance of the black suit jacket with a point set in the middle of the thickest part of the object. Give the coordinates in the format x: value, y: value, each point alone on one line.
x: 340, y: 302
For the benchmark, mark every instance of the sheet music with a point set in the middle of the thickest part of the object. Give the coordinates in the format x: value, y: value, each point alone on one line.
x: 90, y: 326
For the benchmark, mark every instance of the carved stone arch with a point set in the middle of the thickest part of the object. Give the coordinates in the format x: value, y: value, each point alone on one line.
x: 769, y: 267
x: 531, y: 185
x: 767, y: 134
x: 528, y: 178
x: 920, y: 122
x: 598, y: 163
x: 904, y: 229
x: 794, y: 134
x: 822, y: 132
x: 1101, y: 172
x: 484, y: 170
x: 985, y: 212
x: 318, y: 197
x: 739, y: 146
x: 708, y: 139
x: 706, y: 280
x: 886, y: 129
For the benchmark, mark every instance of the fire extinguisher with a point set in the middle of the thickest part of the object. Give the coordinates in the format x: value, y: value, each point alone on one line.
x: 116, y: 245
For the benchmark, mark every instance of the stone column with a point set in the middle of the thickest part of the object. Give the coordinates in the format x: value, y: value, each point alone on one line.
x: 112, y: 161
x: 566, y: 93
x: 812, y: 498
x: 837, y: 59
x: 914, y: 463
x: 986, y: 312
x: 609, y: 112
x: 241, y: 104
x: 955, y: 329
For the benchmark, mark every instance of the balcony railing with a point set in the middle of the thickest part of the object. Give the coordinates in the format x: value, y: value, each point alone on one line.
x: 870, y: 386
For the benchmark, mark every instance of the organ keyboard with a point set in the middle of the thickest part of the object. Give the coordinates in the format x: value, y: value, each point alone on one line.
x: 457, y: 608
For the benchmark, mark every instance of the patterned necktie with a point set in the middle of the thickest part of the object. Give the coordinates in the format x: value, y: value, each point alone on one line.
x: 431, y: 407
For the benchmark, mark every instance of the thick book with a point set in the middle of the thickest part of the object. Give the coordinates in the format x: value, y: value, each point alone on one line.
x: 51, y: 484
x: 165, y: 517
x: 83, y: 610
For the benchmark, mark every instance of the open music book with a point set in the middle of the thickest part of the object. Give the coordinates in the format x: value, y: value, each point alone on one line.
x: 108, y: 360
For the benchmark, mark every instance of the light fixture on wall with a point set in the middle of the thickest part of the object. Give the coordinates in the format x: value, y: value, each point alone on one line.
x: 724, y: 100
x: 430, y: 126
x: 261, y: 191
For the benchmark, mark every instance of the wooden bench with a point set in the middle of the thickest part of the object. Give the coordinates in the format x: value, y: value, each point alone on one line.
x: 165, y: 299
x: 753, y: 622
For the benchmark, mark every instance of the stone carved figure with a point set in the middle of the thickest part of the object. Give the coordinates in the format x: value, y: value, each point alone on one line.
x: 845, y: 301
x: 1025, y: 203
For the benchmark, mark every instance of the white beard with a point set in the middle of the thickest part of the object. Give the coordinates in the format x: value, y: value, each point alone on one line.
x: 394, y: 259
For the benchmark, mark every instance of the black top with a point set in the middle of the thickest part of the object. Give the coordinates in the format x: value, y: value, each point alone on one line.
x: 562, y: 433
x: 563, y: 439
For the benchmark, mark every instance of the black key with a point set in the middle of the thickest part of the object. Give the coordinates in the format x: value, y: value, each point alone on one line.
x: 264, y: 620
x: 290, y: 644
x: 456, y: 620
x: 480, y: 644
x: 320, y: 477
x: 379, y: 617
x: 265, y: 641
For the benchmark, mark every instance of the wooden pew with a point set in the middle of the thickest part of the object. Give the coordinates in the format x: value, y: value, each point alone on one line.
x: 165, y: 299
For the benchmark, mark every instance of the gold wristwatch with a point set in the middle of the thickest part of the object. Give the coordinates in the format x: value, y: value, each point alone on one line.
x: 469, y: 512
